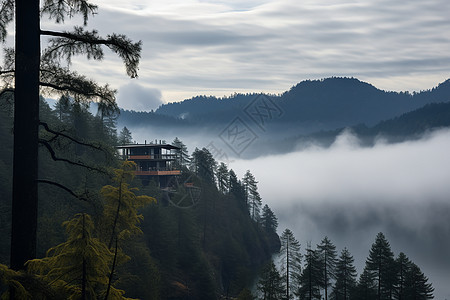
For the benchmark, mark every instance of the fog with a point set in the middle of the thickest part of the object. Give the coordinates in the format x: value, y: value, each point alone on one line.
x: 350, y: 193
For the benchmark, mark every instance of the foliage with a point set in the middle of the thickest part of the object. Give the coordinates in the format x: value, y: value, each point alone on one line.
x: 345, y: 276
x: 291, y: 262
x: 327, y: 252
x: 270, y: 283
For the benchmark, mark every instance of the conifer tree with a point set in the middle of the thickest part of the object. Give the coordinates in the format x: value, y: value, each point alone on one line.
x: 222, y: 178
x: 311, y: 278
x: 345, y: 276
x: 291, y: 261
x: 270, y: 283
x: 327, y: 253
x: 403, y: 265
x: 125, y: 136
x: 253, y: 199
x: 30, y: 70
x: 269, y: 220
x: 182, y: 154
x: 382, y: 265
x: 367, y: 287
x: 417, y: 286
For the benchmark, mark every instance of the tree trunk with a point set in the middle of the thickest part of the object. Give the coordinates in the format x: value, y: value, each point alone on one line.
x: 26, y: 123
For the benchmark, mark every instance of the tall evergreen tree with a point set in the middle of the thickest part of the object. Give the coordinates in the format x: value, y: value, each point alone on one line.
x: 182, y: 154
x: 367, y: 287
x: 252, y: 195
x: 204, y: 164
x: 417, y: 286
x: 345, y: 277
x: 327, y: 253
x: 270, y: 283
x: 382, y: 265
x: 311, y: 278
x: 125, y: 136
x: 403, y: 265
x: 269, y: 220
x: 30, y: 70
x: 291, y: 261
x: 222, y: 178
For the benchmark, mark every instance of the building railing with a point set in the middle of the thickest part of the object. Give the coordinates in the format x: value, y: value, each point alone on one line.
x: 154, y: 156
x: 158, y: 173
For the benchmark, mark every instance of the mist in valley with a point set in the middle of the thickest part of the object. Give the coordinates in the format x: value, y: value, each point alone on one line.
x: 350, y: 193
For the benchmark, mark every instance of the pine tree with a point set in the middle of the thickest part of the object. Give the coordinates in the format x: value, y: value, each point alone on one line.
x: 30, y: 70
x: 382, y: 265
x: 416, y: 285
x: 367, y: 287
x: 182, y: 154
x: 222, y: 178
x: 345, y: 277
x: 253, y: 198
x: 270, y: 283
x: 291, y: 261
x: 403, y: 265
x: 311, y: 278
x: 269, y: 220
x: 125, y: 136
x: 327, y: 253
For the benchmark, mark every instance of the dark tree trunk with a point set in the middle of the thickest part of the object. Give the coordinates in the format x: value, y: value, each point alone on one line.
x: 26, y: 123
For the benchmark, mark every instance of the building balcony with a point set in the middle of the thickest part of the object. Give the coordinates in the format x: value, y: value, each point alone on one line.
x: 152, y: 157
x: 158, y: 173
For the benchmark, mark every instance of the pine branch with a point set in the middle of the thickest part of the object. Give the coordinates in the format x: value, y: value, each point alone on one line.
x: 66, y: 44
x: 81, y: 197
x: 82, y: 89
x: 59, y: 9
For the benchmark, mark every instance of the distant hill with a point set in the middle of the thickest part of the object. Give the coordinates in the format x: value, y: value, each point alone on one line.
x: 312, y: 109
x: 314, y: 104
x: 408, y: 126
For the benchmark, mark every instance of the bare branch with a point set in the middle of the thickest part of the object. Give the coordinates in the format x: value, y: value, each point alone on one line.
x: 81, y: 197
x: 58, y: 133
x: 75, y: 163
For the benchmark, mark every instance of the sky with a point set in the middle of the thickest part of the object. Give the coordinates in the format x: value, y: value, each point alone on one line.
x: 208, y: 47
x: 350, y: 193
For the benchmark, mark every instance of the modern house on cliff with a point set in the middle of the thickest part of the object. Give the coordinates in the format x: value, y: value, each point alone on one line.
x: 154, y: 161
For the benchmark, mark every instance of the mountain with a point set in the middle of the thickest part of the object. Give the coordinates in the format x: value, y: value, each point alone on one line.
x: 312, y: 109
x: 313, y: 104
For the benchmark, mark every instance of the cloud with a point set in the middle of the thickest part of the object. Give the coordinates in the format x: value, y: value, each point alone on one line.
x: 217, y: 47
x: 350, y: 193
x: 137, y: 97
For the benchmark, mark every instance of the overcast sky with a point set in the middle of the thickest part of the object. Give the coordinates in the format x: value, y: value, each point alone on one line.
x: 194, y: 47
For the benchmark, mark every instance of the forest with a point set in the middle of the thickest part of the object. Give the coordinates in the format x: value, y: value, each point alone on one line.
x: 222, y: 244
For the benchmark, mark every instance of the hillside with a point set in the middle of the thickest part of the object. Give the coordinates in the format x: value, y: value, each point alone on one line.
x: 311, y: 105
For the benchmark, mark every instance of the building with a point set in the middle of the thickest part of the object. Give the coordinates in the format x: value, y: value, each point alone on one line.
x: 153, y: 161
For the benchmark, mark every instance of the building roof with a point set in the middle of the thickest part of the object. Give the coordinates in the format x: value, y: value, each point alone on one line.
x: 163, y: 146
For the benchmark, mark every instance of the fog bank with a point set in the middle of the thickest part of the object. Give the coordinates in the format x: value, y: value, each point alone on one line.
x: 351, y: 193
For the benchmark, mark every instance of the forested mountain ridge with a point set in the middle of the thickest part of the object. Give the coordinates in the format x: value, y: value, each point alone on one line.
x: 313, y: 105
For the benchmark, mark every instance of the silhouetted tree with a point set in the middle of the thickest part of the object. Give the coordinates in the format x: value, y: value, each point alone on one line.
x: 29, y: 70
x: 382, y: 265
x: 345, y: 277
x: 222, y: 178
x: 416, y: 285
x: 327, y: 253
x: 270, y: 283
x: 125, y: 136
x: 311, y: 278
x: 291, y: 261
x: 269, y: 220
